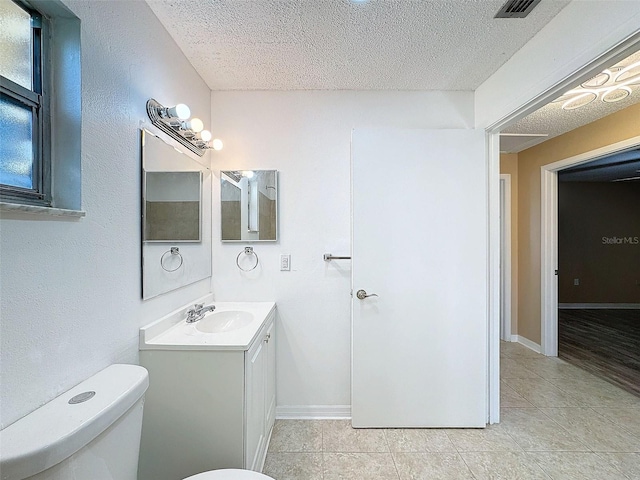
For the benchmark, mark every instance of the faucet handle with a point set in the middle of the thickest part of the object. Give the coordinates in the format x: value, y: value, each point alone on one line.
x: 198, y: 306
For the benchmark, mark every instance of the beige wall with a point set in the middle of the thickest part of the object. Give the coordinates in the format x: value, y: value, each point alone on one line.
x: 509, y: 166
x: 606, y: 131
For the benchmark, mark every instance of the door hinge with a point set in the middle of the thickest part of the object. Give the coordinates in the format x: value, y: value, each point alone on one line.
x: 556, y: 273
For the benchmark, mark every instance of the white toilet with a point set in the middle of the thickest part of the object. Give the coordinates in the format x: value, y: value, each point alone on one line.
x: 229, y: 474
x: 91, y: 432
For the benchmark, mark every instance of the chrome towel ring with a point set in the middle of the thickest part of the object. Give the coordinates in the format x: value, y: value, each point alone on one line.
x: 247, y: 251
x: 173, y: 251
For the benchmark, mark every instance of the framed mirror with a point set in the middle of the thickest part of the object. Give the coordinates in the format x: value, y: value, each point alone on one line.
x: 176, y: 217
x: 249, y: 205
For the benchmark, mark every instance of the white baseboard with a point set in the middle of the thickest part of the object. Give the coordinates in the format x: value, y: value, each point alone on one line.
x: 300, y: 412
x: 611, y: 306
x: 527, y: 343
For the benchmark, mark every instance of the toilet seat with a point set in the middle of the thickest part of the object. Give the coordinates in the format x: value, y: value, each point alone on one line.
x: 229, y: 474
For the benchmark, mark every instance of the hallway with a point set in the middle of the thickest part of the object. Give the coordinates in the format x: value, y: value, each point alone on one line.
x: 558, y: 422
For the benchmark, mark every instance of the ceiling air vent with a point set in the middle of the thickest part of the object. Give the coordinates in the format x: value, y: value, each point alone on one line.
x: 517, y: 8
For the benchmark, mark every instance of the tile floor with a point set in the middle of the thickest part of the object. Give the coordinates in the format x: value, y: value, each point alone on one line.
x: 558, y: 422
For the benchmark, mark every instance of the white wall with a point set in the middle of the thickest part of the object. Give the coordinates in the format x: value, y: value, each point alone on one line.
x: 70, y: 289
x: 306, y: 136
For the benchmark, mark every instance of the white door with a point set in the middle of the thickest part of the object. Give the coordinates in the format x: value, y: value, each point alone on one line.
x: 419, y: 219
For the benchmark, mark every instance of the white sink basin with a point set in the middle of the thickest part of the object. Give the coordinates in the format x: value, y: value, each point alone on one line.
x: 225, y: 321
x: 231, y: 326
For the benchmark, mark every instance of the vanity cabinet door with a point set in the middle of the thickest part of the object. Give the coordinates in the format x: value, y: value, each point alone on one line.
x: 255, y: 404
x: 270, y: 379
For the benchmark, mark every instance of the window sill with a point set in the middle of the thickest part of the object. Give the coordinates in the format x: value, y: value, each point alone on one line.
x: 37, y: 210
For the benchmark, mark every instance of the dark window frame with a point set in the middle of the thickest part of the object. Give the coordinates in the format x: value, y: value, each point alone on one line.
x: 37, y: 100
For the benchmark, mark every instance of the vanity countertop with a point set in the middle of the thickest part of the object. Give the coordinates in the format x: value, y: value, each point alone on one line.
x: 173, y: 333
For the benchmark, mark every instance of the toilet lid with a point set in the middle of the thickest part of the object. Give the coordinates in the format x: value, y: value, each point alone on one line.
x: 229, y: 474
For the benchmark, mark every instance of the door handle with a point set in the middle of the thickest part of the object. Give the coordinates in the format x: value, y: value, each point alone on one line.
x: 361, y: 294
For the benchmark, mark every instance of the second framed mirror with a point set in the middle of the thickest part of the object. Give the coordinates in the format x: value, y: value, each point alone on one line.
x: 249, y: 205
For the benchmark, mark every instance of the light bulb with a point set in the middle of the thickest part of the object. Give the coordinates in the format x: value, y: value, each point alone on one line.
x: 248, y: 173
x: 195, y: 124
x: 180, y: 111
x: 205, y: 135
x: 217, y: 144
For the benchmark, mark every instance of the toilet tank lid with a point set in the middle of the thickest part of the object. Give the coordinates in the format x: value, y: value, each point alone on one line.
x: 58, y: 429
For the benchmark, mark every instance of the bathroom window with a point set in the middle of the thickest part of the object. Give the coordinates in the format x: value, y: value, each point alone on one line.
x: 24, y: 156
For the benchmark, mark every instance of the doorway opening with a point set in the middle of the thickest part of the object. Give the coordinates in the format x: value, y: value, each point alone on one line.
x: 546, y: 287
x: 549, y: 240
x: 578, y: 316
x: 548, y: 253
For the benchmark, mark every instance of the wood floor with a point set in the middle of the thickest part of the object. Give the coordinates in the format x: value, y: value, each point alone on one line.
x: 603, y: 342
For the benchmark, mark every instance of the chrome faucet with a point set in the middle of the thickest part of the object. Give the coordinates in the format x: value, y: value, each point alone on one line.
x: 197, y: 312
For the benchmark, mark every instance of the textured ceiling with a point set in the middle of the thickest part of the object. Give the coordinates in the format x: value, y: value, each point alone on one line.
x: 553, y: 120
x: 366, y: 45
x: 347, y: 45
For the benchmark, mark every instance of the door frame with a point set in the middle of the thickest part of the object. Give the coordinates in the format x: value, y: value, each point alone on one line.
x: 549, y: 237
x: 596, y: 65
x: 505, y: 257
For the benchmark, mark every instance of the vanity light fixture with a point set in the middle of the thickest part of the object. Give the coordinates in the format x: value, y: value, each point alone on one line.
x: 175, y: 122
x: 611, y: 85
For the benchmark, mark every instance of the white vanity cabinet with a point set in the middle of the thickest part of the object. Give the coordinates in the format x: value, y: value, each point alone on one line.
x: 208, y: 408
x: 260, y: 398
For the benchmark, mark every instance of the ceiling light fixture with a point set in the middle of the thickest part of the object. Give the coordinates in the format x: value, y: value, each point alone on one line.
x: 630, y: 74
x: 616, y: 94
x: 175, y: 122
x: 611, y: 85
x: 579, y: 100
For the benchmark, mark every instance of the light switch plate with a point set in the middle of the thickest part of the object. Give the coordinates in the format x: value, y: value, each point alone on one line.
x: 285, y: 262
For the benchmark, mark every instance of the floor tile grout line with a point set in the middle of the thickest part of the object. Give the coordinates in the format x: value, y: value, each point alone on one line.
x: 544, y: 470
x: 473, y: 475
x: 452, y: 442
x: 322, y: 459
x: 518, y: 394
x: 566, y: 429
x: 591, y: 380
x: 599, y: 455
x: 621, y: 426
x: 571, y: 397
x: 393, y: 458
x: 528, y: 451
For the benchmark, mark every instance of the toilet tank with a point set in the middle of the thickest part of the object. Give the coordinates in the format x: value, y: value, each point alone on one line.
x: 91, y: 432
